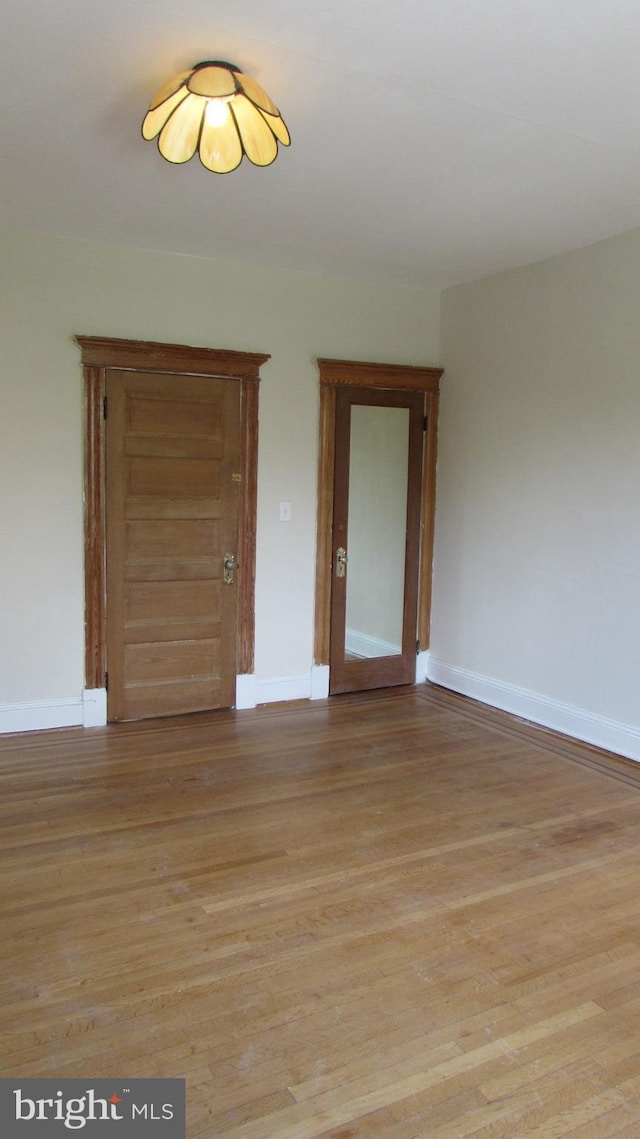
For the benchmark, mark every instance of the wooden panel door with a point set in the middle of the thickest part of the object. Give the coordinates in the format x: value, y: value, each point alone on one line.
x: 172, y: 477
x: 376, y: 538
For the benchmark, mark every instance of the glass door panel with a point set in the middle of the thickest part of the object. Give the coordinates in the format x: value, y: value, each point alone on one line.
x: 377, y: 527
x: 376, y: 538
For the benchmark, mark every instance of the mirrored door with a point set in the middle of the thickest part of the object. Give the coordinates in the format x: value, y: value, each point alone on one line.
x: 376, y: 532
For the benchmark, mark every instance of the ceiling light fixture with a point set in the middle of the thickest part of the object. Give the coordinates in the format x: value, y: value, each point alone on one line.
x: 218, y: 111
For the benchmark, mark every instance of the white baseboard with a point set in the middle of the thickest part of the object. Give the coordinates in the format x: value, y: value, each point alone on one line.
x: 94, y: 707
x: 246, y: 691
x: 319, y: 682
x: 90, y: 711
x: 612, y: 735
x: 280, y: 688
x: 38, y: 715
x: 362, y: 645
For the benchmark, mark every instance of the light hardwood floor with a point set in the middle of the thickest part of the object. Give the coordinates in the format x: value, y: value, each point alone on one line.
x: 380, y: 916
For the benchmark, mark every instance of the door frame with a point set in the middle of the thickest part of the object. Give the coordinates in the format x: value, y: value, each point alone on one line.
x: 102, y: 353
x: 403, y: 377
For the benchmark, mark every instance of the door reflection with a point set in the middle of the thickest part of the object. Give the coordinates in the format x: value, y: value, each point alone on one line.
x: 377, y: 531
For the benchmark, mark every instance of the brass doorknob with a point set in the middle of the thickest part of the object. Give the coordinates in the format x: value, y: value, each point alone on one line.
x: 341, y: 561
x: 229, y: 565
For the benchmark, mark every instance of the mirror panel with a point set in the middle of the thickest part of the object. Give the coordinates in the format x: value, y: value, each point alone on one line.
x: 377, y: 531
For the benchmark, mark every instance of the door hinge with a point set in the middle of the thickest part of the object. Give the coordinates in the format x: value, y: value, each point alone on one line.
x: 425, y: 423
x: 106, y: 681
x: 104, y: 408
x: 417, y: 646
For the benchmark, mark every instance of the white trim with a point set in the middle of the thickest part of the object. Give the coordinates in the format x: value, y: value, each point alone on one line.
x: 246, y: 691
x: 280, y: 688
x: 90, y: 711
x: 613, y: 735
x: 362, y: 645
x: 94, y: 708
x: 422, y: 666
x: 39, y: 715
x: 320, y: 681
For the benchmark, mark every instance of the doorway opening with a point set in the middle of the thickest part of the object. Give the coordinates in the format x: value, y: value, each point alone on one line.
x: 139, y: 366
x: 396, y: 404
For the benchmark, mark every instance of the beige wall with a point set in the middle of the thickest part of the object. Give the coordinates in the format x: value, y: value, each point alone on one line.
x: 54, y: 288
x: 537, y: 573
x: 537, y: 568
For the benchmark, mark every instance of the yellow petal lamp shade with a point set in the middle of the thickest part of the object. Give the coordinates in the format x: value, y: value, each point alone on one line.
x: 219, y: 112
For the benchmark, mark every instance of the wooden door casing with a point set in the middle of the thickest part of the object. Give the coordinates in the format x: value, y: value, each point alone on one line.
x: 172, y: 458
x: 102, y: 353
x: 335, y: 374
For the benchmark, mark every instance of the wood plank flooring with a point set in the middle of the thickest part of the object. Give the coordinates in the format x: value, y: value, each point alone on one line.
x: 380, y: 916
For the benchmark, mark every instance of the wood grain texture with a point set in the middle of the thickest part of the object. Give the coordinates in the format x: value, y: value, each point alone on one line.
x: 390, y: 915
x: 358, y: 373
x: 94, y: 527
x: 428, y: 519
x: 324, y: 529
x: 145, y: 355
x: 172, y: 451
x: 247, y: 526
x: 100, y: 353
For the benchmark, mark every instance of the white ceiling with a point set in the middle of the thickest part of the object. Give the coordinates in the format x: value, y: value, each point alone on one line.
x: 433, y: 141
